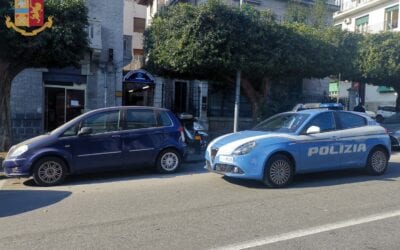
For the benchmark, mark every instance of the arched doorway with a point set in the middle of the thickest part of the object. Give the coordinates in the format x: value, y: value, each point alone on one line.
x: 138, y: 88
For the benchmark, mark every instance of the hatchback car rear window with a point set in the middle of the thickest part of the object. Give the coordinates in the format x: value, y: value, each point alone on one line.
x: 140, y: 118
x: 164, y: 119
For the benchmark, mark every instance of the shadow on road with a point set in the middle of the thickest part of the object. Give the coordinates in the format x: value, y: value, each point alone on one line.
x: 189, y: 168
x: 14, y: 202
x: 331, y: 178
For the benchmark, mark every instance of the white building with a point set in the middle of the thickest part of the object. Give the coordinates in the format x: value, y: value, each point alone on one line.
x: 370, y: 16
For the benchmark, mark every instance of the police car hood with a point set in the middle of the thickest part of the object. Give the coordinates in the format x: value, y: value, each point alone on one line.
x: 229, y: 142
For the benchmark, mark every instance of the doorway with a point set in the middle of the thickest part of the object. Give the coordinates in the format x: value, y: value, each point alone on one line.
x: 138, y: 94
x: 62, y: 105
x: 180, y: 104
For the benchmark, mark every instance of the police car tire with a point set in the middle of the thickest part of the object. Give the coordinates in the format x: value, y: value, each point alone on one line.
x: 278, y: 159
x: 50, y: 162
x: 372, y: 157
x: 167, y: 157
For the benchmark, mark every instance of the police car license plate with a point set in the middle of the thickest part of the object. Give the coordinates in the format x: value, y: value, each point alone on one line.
x: 226, y: 158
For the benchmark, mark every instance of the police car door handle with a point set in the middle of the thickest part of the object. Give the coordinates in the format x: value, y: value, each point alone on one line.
x: 335, y: 138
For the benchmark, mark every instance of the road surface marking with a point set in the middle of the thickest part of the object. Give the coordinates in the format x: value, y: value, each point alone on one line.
x: 310, y: 231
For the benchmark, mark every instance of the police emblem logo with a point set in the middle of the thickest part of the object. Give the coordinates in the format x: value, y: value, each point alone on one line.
x: 29, y: 13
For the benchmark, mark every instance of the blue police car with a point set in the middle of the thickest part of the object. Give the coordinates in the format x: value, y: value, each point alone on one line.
x: 300, y: 142
x: 101, y: 140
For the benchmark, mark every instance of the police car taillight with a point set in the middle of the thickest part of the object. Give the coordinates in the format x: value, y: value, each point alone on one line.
x: 182, y: 134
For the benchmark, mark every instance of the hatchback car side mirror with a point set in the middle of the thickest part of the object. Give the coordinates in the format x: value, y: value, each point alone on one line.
x: 313, y: 130
x: 85, y: 131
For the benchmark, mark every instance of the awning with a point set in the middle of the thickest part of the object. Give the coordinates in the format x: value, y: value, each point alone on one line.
x: 138, y: 76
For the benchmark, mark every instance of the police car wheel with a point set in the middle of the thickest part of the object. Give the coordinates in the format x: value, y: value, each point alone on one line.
x: 278, y: 172
x: 49, y: 171
x: 377, y: 162
x: 168, y: 161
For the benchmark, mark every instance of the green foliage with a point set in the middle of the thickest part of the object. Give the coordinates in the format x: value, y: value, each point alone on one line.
x: 60, y: 46
x: 379, y: 59
x: 197, y: 42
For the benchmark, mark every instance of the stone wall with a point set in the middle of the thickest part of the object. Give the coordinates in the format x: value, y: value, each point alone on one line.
x: 27, y: 100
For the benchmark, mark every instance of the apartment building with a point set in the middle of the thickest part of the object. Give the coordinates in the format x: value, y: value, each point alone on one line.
x: 369, y: 16
x: 55, y: 96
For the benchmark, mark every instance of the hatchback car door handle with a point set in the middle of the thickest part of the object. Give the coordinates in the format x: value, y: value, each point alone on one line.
x: 116, y: 136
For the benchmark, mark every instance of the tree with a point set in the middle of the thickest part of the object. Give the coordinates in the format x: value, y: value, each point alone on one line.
x: 62, y: 45
x: 379, y: 61
x: 197, y: 42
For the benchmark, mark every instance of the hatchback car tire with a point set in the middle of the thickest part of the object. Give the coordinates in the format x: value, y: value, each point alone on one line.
x: 279, y: 171
x: 377, y: 161
x: 168, y: 161
x: 49, y: 171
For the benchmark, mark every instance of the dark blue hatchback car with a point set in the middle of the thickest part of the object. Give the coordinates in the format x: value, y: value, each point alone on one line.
x: 101, y: 140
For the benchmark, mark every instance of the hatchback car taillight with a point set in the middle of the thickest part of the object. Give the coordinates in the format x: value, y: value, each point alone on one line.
x: 182, y: 134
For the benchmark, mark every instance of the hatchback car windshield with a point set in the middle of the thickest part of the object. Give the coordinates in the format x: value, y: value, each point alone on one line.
x: 287, y: 122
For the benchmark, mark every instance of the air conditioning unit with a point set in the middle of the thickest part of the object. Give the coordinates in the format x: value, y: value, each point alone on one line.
x: 347, y: 20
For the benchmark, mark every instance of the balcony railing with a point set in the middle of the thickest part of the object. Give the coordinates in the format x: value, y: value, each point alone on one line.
x: 352, y: 4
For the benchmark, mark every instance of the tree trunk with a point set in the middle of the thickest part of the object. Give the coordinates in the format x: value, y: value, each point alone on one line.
x: 253, y: 95
x: 7, y: 73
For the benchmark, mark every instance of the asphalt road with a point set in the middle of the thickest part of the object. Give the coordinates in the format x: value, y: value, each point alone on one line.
x: 199, y: 210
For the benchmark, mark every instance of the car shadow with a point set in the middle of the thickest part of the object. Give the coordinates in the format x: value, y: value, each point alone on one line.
x: 331, y: 178
x: 16, y: 202
x: 126, y: 175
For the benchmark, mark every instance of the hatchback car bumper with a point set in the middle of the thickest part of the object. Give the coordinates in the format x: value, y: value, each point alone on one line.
x: 16, y: 167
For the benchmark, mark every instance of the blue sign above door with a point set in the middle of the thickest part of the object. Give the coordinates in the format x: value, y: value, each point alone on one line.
x: 139, y: 76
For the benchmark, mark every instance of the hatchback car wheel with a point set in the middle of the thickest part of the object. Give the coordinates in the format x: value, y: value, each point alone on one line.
x: 49, y: 171
x: 377, y: 162
x: 279, y: 171
x: 168, y: 161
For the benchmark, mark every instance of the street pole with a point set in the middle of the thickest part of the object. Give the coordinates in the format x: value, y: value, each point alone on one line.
x: 237, y: 95
x: 338, y: 90
x: 237, y: 101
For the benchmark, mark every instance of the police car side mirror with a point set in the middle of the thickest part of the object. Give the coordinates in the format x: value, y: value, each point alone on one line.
x: 313, y: 130
x: 85, y: 131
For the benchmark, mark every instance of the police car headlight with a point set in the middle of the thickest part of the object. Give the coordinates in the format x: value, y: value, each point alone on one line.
x: 245, y: 148
x: 18, y: 151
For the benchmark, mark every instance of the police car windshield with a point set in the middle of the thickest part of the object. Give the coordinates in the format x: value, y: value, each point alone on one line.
x: 286, y: 123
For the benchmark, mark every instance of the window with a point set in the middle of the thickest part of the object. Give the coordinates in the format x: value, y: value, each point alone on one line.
x: 140, y: 118
x: 347, y: 120
x: 103, y: 122
x: 127, y: 46
x: 362, y: 24
x: 164, y: 120
x: 282, y: 123
x: 392, y: 17
x: 324, y: 121
x: 139, y: 24
x: 72, y: 131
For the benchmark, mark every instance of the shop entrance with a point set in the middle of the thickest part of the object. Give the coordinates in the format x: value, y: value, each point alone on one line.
x: 138, y: 94
x: 138, y: 88
x: 62, y: 105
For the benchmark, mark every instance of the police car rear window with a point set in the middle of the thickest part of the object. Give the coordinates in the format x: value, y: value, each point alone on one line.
x: 348, y: 120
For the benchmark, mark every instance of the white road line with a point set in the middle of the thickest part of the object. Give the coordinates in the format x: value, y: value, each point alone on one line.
x: 310, y: 231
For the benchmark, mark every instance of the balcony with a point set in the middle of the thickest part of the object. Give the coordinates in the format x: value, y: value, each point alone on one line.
x: 94, y: 35
x: 332, y: 4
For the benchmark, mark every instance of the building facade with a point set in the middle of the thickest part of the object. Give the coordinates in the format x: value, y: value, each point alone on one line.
x: 42, y: 99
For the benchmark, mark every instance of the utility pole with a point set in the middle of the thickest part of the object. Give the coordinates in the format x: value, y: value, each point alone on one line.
x: 338, y: 90
x: 237, y: 95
